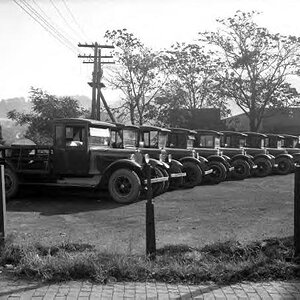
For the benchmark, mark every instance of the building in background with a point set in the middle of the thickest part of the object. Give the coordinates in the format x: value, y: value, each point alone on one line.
x: 281, y: 120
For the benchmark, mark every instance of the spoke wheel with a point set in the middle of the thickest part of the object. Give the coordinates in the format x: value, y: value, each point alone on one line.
x: 264, y: 167
x: 158, y: 187
x: 11, y: 183
x: 194, y: 174
x: 285, y: 166
x: 242, y: 169
x: 124, y: 186
x: 219, y: 172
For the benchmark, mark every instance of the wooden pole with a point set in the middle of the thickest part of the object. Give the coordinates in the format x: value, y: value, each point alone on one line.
x: 2, y: 206
x: 150, y: 222
x: 297, y: 211
x: 94, y: 86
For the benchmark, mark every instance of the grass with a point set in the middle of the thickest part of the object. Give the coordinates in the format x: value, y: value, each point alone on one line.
x: 221, y: 263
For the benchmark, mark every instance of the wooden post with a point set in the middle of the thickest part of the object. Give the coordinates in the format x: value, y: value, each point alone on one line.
x: 297, y: 211
x: 2, y: 206
x: 150, y: 223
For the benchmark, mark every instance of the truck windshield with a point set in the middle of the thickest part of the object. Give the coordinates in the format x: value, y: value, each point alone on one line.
x: 130, y: 138
x: 207, y: 141
x: 190, y: 142
x: 162, y: 141
x: 99, y: 136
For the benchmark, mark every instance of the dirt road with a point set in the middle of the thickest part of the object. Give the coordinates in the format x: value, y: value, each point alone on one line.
x: 243, y: 210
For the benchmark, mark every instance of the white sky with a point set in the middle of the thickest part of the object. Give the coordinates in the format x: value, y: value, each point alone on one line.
x: 30, y: 56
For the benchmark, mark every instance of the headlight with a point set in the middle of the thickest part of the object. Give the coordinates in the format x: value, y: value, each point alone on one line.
x: 161, y: 157
x: 194, y: 153
x: 169, y: 158
x: 147, y: 158
x: 137, y: 157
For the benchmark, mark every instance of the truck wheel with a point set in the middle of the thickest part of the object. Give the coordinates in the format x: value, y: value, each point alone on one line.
x: 194, y: 174
x: 124, y: 186
x: 158, y: 187
x: 264, y: 167
x: 219, y: 172
x: 242, y: 169
x: 11, y: 183
x: 166, y: 183
x: 285, y: 166
x: 176, y: 182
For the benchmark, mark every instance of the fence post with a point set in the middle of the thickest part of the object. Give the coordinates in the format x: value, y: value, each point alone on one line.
x: 2, y: 206
x: 297, y: 211
x: 150, y: 223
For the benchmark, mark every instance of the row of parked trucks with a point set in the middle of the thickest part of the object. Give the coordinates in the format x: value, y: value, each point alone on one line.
x: 112, y: 156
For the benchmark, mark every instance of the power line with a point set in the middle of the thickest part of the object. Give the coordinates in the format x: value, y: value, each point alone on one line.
x: 48, y: 24
x: 45, y: 26
x: 74, y: 19
x: 65, y: 20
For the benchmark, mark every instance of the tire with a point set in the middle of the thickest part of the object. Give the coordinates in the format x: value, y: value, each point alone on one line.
x: 11, y: 183
x: 124, y: 186
x: 219, y: 173
x: 166, y: 183
x: 264, y: 167
x: 194, y: 174
x: 285, y: 166
x: 242, y: 169
x: 158, y: 187
x: 177, y: 182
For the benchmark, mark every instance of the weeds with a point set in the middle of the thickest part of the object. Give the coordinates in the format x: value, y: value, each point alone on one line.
x: 227, y: 262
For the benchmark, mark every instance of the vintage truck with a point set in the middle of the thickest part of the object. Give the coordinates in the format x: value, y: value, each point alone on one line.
x: 181, y: 146
x: 207, y: 144
x: 163, y: 165
x: 153, y: 138
x: 274, y: 143
x: 189, y: 139
x: 232, y: 145
x: 82, y: 156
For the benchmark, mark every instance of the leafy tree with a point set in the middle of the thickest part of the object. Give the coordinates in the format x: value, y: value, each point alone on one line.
x: 137, y: 75
x: 45, y: 108
x: 255, y: 65
x: 192, y: 83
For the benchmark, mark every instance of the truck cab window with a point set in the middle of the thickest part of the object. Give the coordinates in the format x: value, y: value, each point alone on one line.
x: 75, y: 136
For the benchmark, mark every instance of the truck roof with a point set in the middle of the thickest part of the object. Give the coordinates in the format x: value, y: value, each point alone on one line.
x: 290, y: 136
x: 256, y: 134
x: 207, y: 131
x: 182, y: 130
x: 90, y: 122
x: 150, y: 127
x: 121, y: 125
x: 234, y: 133
x: 275, y: 135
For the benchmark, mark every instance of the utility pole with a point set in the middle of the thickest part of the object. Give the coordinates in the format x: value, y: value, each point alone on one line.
x: 96, y: 83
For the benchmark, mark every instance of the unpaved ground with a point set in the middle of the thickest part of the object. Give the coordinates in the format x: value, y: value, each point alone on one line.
x: 248, y: 210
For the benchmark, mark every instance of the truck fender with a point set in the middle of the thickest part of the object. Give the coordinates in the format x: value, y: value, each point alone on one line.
x: 192, y: 160
x: 217, y: 158
x: 242, y: 156
x: 155, y: 162
x: 175, y: 163
x: 286, y: 155
x: 119, y: 164
x: 265, y: 156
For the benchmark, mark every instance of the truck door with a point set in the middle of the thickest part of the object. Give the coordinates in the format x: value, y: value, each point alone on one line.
x: 71, y: 155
